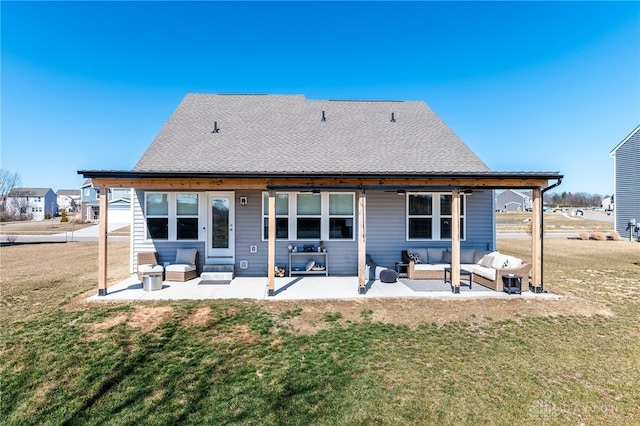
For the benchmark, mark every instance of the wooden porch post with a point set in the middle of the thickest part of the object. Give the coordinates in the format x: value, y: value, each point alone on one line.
x: 455, y: 240
x: 362, y: 243
x: 102, y: 241
x: 271, y: 284
x: 536, y: 242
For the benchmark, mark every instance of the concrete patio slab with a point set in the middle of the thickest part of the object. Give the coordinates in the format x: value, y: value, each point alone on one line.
x: 296, y: 288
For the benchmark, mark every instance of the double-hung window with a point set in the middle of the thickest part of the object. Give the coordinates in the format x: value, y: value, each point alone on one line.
x: 446, y: 217
x: 341, y: 216
x: 429, y: 216
x: 157, y: 210
x: 187, y: 216
x: 282, y: 216
x: 172, y: 216
x: 308, y: 217
x: 420, y: 216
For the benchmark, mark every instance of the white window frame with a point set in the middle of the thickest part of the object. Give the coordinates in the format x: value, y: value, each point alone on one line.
x: 185, y: 216
x: 324, y: 216
x: 436, y: 216
x: 172, y: 216
x: 265, y: 216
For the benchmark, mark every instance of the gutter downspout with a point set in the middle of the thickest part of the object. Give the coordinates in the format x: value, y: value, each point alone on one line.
x: 542, y: 191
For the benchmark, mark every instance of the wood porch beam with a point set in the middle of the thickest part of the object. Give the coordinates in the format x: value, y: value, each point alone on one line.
x: 271, y: 280
x: 362, y: 242
x: 455, y: 240
x: 536, y: 241
x: 232, y: 183
x: 102, y: 241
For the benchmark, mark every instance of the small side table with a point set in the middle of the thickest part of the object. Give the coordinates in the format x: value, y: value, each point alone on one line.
x: 401, y: 269
x: 463, y: 273
x: 512, y: 284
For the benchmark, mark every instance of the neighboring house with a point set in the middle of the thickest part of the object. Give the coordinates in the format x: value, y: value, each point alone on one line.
x: 119, y: 203
x: 513, y: 201
x: 607, y: 203
x: 626, y: 184
x: 32, y: 203
x: 68, y: 200
x: 240, y: 178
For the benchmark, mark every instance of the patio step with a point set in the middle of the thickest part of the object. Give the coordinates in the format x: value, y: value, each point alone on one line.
x: 217, y: 274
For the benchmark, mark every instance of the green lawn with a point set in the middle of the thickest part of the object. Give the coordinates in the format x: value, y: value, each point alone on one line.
x: 65, y: 361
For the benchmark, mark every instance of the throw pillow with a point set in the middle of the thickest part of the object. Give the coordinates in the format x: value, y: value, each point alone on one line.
x: 435, y: 255
x: 415, y: 257
x: 310, y: 265
x: 446, y: 257
x: 486, y: 261
x: 478, y: 255
x: 466, y: 256
x: 513, y: 262
x: 185, y: 256
x: 499, y: 261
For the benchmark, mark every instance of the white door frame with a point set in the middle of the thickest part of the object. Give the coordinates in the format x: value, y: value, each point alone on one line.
x: 228, y: 252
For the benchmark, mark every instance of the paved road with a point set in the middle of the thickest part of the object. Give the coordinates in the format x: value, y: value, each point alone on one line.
x: 89, y: 233
x: 524, y: 235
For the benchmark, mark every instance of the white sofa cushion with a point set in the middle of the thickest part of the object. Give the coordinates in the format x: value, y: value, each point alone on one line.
x: 180, y: 268
x: 149, y: 268
x: 468, y: 267
x: 488, y: 273
x: 431, y: 266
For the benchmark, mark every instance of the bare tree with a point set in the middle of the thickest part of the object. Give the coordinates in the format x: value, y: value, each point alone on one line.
x: 19, y: 207
x: 8, y: 181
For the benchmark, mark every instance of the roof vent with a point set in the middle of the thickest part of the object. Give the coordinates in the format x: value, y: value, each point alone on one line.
x: 215, y: 127
x: 323, y: 117
x: 393, y: 117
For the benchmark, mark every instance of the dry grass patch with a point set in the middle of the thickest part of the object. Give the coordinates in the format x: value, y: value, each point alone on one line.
x: 46, y: 274
x: 311, y: 315
x: 553, y: 222
x: 199, y: 318
x: 601, y: 271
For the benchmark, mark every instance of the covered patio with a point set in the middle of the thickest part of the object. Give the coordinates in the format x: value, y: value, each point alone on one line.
x: 246, y: 180
x: 303, y: 288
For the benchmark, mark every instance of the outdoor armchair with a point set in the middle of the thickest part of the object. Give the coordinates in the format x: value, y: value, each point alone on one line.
x: 185, y: 266
x: 148, y: 264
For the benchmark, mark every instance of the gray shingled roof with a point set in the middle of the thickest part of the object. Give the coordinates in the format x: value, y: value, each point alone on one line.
x: 29, y: 192
x: 286, y: 134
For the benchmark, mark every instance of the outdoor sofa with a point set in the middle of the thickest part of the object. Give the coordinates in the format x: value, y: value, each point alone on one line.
x: 487, y: 268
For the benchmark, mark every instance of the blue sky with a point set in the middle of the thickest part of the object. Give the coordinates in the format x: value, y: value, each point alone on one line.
x: 529, y: 86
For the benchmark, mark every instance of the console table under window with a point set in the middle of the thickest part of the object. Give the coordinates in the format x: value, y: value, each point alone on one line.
x: 298, y: 263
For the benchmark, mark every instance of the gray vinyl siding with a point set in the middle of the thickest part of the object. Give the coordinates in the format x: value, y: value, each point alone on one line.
x: 385, y: 234
x: 386, y: 226
x: 512, y: 201
x: 627, y: 175
x: 343, y: 255
x: 249, y: 232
